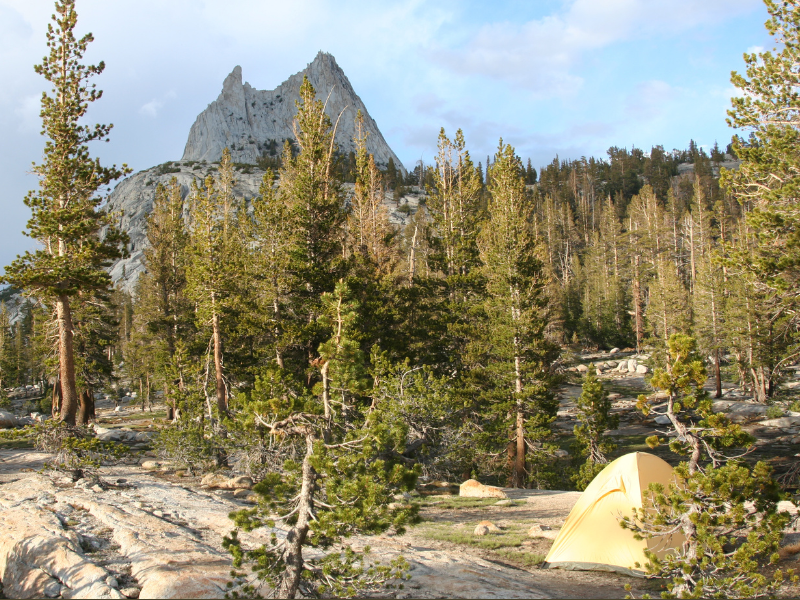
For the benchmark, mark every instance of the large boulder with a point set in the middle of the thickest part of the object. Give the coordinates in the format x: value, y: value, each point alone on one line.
x: 474, y: 489
x: 221, y: 482
x: 7, y: 420
x: 740, y: 412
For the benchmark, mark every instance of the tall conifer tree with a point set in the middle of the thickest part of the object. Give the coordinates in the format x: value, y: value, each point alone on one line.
x: 66, y: 218
x: 519, y: 356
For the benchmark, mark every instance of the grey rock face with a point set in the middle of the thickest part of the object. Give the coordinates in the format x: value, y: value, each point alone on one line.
x: 245, y: 119
x: 133, y: 200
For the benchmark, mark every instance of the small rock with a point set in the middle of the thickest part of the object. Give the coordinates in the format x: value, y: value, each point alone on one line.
x: 539, y: 530
x: 632, y: 364
x: 96, y: 488
x: 582, y: 368
x: 481, y: 530
x: 641, y: 369
x: 130, y: 592
x: 662, y: 420
x: 139, y: 504
x: 505, y: 503
x: 490, y: 526
x: 243, y: 493
x: 623, y: 366
x: 158, y: 513
x: 561, y: 453
x: 613, y: 351
x: 599, y: 371
x: 112, y: 582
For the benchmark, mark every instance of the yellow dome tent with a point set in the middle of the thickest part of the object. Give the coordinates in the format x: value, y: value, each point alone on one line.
x: 592, y: 539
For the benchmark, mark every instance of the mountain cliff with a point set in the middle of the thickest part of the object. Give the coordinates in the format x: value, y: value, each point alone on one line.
x: 247, y: 121
x: 251, y: 122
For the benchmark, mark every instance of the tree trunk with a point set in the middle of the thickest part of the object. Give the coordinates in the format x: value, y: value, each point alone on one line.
x: 56, y: 403
x: 296, y: 537
x: 169, y: 402
x: 66, y: 361
x: 326, y: 401
x: 86, y: 409
x: 519, y: 464
x: 717, y: 374
x: 222, y: 399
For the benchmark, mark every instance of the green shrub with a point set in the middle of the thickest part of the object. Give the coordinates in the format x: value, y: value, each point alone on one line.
x: 77, y: 451
x: 774, y: 411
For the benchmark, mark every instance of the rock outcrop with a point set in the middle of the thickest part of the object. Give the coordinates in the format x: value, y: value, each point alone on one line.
x: 474, y: 489
x: 247, y: 121
x: 251, y: 122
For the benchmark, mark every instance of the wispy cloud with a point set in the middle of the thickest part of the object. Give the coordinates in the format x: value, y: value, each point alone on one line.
x: 541, y: 55
x: 152, y: 108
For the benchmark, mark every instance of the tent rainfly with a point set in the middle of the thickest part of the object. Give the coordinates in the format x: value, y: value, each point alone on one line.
x: 592, y: 538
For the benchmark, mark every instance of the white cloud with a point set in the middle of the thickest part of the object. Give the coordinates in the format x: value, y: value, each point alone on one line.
x: 541, y: 55
x: 151, y: 108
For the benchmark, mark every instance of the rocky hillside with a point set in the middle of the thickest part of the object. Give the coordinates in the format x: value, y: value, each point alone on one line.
x: 251, y: 122
x: 133, y: 199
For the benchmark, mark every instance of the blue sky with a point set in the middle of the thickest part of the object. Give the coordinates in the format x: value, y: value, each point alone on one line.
x: 552, y: 77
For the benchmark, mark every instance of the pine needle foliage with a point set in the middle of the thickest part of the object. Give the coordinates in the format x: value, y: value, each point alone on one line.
x: 79, y: 240
x: 723, y: 514
x: 593, y: 421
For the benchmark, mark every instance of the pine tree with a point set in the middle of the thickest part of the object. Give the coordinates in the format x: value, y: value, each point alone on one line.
x: 725, y: 511
x: 315, y: 200
x: 768, y: 176
x: 594, y: 420
x: 215, y: 251
x: 519, y: 356
x: 66, y: 218
x: 352, y: 462
x: 368, y: 221
x: 270, y: 235
x: 163, y: 314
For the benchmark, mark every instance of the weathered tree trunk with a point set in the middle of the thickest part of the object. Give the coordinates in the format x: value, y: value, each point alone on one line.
x: 169, y: 402
x: 296, y: 536
x: 56, y: 403
x: 519, y: 463
x: 717, y: 374
x: 66, y: 361
x: 637, y: 305
x: 222, y: 398
x: 326, y: 401
x: 86, y: 409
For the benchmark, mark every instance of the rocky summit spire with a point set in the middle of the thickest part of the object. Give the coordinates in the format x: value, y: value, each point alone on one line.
x: 248, y: 120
